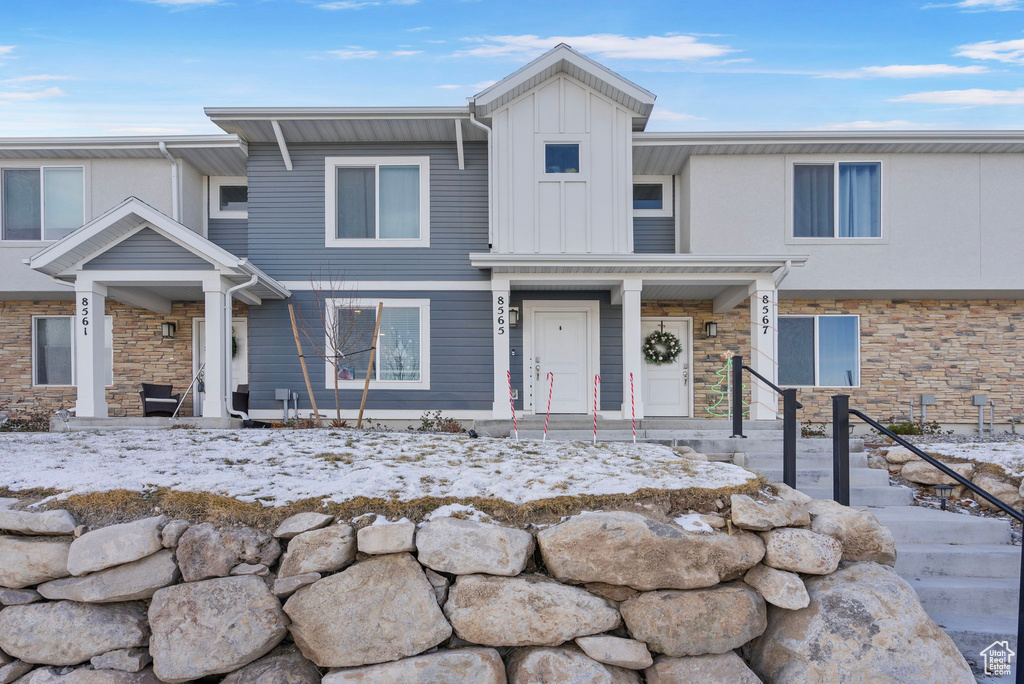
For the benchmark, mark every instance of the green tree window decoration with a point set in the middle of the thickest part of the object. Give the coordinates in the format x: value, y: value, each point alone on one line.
x: 724, y: 373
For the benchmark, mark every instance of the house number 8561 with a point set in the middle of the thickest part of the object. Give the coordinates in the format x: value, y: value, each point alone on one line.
x: 85, y: 315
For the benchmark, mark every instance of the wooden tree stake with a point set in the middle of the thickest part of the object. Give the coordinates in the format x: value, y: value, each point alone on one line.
x: 305, y: 373
x: 369, y: 367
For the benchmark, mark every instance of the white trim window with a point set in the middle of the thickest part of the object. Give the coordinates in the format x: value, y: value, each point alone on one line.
x: 402, y: 360
x: 652, y: 196
x: 819, y: 351
x: 836, y: 200
x: 377, y: 201
x: 53, y: 351
x: 41, y: 203
x: 229, y: 197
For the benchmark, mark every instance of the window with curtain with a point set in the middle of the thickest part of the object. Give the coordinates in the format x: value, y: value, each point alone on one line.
x: 849, y: 208
x: 372, y: 200
x: 54, y: 350
x: 401, y: 345
x: 41, y: 203
x: 819, y: 351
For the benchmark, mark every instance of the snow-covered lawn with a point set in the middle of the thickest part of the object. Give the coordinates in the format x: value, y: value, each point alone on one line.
x: 1010, y: 455
x: 278, y: 467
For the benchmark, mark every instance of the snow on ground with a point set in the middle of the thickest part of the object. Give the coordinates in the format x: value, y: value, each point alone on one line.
x: 281, y: 466
x: 1010, y: 455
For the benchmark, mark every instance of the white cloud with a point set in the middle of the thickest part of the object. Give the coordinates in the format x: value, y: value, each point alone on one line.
x: 37, y: 77
x: 406, y: 53
x: 182, y: 4
x: 979, y: 5
x: 360, y: 4
x: 599, y: 45
x: 418, y: 28
x: 971, y: 97
x: 148, y: 130
x: 1011, y: 51
x: 675, y: 117
x: 353, y: 53
x: 871, y: 126
x: 30, y: 95
x: 482, y: 85
x: 449, y: 86
x: 908, y: 71
x: 6, y: 50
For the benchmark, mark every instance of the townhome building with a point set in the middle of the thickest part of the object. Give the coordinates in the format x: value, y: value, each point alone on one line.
x: 524, y: 246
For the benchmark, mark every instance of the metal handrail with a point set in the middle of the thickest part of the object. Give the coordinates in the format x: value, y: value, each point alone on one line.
x: 841, y: 490
x: 789, y: 408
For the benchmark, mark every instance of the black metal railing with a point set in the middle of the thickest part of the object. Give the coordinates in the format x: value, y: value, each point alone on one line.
x: 841, y: 412
x: 789, y: 408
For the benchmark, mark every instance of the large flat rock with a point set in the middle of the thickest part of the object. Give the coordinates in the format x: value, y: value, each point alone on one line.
x: 129, y: 582
x: 115, y: 545
x: 462, y: 666
x: 466, y: 547
x: 25, y: 562
x: 44, y: 523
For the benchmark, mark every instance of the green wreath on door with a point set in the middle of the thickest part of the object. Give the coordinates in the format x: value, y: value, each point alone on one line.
x: 661, y: 347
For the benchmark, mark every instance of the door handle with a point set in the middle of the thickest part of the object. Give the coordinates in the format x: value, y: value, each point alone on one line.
x: 537, y: 368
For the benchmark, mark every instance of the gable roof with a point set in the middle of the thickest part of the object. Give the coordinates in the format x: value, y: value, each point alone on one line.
x: 563, y: 59
x: 128, y: 218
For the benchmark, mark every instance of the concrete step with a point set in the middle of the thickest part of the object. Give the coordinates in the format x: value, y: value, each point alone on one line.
x: 861, y: 497
x: 819, y: 477
x: 974, y: 633
x: 967, y: 595
x: 773, y: 459
x: 957, y: 560
x: 918, y: 525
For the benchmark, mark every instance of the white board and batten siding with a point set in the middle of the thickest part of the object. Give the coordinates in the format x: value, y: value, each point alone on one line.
x: 566, y: 213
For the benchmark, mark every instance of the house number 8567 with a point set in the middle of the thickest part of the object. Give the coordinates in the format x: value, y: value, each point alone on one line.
x: 765, y: 310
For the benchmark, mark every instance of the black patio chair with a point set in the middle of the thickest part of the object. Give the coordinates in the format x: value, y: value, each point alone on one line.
x: 157, y: 400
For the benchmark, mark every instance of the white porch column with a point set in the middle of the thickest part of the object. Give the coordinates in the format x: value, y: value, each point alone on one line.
x: 764, y: 336
x: 499, y: 320
x: 632, y: 358
x: 218, y: 350
x: 90, y: 355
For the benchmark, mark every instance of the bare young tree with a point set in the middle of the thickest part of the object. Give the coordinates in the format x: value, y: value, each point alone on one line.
x: 334, y: 325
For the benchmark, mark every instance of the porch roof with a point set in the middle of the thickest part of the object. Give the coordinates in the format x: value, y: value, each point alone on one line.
x: 64, y: 259
x: 637, y: 264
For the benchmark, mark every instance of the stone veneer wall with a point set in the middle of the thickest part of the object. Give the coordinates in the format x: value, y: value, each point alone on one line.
x: 606, y: 597
x: 141, y: 354
x: 949, y: 348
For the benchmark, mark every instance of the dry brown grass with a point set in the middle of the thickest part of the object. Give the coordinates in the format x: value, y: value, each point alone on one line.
x: 119, y: 505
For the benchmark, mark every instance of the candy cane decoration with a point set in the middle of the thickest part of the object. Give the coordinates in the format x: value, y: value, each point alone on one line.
x: 597, y: 380
x: 547, y: 416
x: 632, y: 402
x: 512, y: 403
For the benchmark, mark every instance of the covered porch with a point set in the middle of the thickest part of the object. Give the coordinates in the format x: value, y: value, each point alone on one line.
x: 581, y: 316
x: 135, y: 255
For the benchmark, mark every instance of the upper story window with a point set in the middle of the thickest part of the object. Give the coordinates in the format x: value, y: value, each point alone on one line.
x: 42, y: 203
x: 819, y: 351
x: 837, y: 200
x: 562, y: 158
x: 377, y: 201
x: 652, y: 195
x: 229, y: 197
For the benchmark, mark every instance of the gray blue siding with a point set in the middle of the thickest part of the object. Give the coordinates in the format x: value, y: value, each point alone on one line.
x: 286, y: 215
x: 611, y: 344
x: 461, y: 349
x: 147, y: 249
x: 654, y: 235
x: 230, y: 234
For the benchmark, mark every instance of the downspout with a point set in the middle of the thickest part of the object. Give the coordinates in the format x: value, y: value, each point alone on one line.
x: 227, y: 367
x: 490, y: 178
x: 780, y: 273
x: 175, y: 183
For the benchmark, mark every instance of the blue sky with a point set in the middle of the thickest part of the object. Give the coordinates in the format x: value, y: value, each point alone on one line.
x: 124, y: 67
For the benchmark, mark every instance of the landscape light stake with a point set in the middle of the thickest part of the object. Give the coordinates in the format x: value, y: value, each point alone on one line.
x: 369, y: 366
x: 305, y: 373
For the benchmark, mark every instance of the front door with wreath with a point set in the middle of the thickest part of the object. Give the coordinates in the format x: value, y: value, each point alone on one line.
x: 665, y: 386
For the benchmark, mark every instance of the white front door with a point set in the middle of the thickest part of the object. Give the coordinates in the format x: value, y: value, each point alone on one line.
x: 239, y: 357
x: 561, y: 346
x: 665, y: 388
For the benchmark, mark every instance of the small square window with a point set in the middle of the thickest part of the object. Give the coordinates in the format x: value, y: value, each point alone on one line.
x: 648, y: 196
x: 234, y: 198
x: 562, y: 158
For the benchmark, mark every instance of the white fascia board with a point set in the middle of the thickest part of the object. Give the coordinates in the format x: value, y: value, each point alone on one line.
x: 119, y: 142
x: 316, y: 113
x: 549, y: 59
x: 488, y: 260
x: 643, y: 139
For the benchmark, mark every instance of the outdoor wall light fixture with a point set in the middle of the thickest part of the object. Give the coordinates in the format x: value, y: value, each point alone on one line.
x: 943, y: 492
x: 168, y: 329
x: 513, y: 317
x: 711, y: 329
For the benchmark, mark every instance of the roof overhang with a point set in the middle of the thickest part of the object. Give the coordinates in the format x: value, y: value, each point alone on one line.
x: 345, y: 124
x: 644, y: 265
x: 62, y: 259
x: 563, y: 59
x: 211, y: 155
x: 666, y: 153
